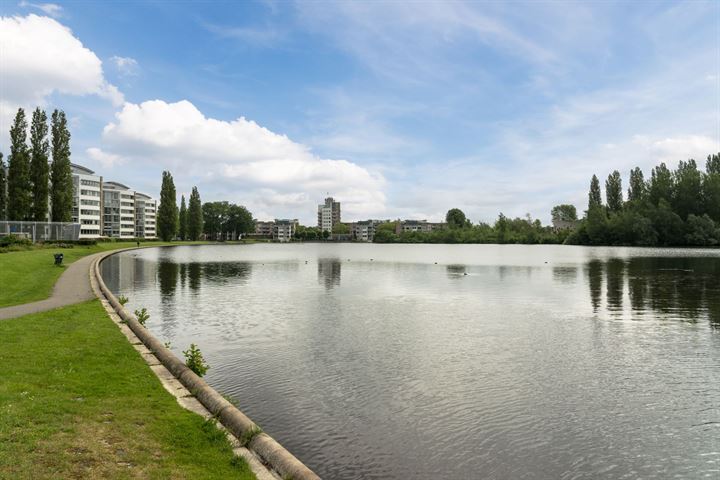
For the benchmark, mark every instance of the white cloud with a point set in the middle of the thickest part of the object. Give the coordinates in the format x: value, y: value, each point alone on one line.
x: 52, y: 9
x: 39, y: 57
x: 254, y: 164
x: 126, y: 66
x: 107, y: 160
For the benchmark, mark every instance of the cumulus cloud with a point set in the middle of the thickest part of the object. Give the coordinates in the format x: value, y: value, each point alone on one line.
x: 126, y: 66
x: 39, y: 57
x: 107, y: 160
x: 279, y: 175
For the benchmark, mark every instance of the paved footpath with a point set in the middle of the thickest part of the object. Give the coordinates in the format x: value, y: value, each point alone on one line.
x: 73, y: 286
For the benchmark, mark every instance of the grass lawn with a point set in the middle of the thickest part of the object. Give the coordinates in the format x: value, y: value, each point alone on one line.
x: 29, y: 275
x: 77, y: 401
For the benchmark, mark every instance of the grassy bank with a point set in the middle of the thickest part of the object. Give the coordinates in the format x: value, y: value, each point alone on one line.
x: 29, y: 275
x: 77, y: 401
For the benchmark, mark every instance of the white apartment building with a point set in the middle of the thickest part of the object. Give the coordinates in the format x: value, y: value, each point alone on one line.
x: 284, y: 230
x: 145, y: 216
x: 118, y: 210
x: 87, y: 201
x: 328, y: 214
x: 364, y: 230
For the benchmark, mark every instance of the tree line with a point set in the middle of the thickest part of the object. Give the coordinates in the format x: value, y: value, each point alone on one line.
x: 461, y: 230
x: 678, y: 207
x: 34, y: 187
x: 195, y: 220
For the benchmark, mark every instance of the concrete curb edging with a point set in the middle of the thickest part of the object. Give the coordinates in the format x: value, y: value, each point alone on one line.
x: 245, y: 430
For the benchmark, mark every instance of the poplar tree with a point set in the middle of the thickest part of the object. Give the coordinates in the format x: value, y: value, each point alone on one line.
x: 194, y: 216
x: 3, y: 189
x: 711, y: 187
x: 688, y: 182
x: 39, y: 167
x: 638, y: 188
x: 19, y: 185
x: 613, y: 192
x: 595, y: 196
x: 182, y: 233
x: 661, y: 185
x: 61, y: 191
x: 167, y: 216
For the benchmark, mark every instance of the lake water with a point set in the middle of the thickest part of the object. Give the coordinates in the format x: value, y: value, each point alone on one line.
x: 453, y: 361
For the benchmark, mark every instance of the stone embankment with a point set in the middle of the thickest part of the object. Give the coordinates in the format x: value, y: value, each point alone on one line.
x: 248, y: 436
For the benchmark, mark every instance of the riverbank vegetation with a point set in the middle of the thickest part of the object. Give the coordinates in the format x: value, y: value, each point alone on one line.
x: 678, y: 207
x: 68, y: 411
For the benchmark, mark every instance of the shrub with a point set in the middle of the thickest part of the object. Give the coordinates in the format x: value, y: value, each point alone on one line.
x: 195, y: 361
x: 122, y: 300
x: 14, y: 240
x: 142, y: 316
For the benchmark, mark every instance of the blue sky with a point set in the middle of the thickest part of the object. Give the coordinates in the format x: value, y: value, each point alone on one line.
x: 396, y: 109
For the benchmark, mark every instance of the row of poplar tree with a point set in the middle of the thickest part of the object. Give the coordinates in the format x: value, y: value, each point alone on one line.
x: 34, y: 188
x: 672, y: 207
x: 186, y: 222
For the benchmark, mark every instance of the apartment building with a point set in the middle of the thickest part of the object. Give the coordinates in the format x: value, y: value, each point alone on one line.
x: 263, y: 229
x: 364, y: 230
x: 284, y: 229
x: 328, y: 214
x: 417, y: 226
x: 118, y: 210
x: 145, y: 216
x: 87, y: 201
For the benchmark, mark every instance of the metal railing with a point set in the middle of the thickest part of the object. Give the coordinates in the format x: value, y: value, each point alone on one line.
x: 41, y: 231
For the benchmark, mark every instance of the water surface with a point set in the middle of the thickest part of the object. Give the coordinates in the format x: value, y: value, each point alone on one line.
x: 461, y: 361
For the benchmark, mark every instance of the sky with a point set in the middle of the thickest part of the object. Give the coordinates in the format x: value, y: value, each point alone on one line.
x: 396, y: 109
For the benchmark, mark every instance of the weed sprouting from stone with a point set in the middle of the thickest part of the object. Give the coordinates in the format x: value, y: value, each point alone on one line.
x: 142, y: 316
x: 122, y: 300
x: 195, y: 361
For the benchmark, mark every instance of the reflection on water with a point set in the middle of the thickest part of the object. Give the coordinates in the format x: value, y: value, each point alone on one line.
x: 435, y: 361
x: 680, y: 288
x: 328, y: 272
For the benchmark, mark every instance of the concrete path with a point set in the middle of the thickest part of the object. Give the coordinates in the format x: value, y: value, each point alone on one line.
x: 73, y: 286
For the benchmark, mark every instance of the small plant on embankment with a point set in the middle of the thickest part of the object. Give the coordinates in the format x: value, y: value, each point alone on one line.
x: 142, y: 316
x: 195, y: 361
x: 122, y: 300
x: 247, y: 437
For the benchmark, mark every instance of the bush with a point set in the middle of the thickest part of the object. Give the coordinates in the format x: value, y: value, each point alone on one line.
x: 14, y: 240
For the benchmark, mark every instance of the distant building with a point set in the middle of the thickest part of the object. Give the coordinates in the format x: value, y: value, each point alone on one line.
x: 418, y: 226
x: 364, y: 230
x: 263, y: 229
x: 87, y: 201
x: 328, y: 214
x: 284, y: 229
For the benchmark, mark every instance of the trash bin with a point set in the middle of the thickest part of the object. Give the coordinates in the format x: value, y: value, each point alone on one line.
x: 58, y: 258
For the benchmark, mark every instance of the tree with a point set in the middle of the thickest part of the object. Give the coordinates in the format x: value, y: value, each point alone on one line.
x: 167, y: 215
x: 3, y: 189
x: 613, y: 192
x: 638, y: 189
x: 340, y: 229
x: 594, y: 196
x: 564, y: 216
x: 325, y: 234
x: 455, y: 218
x: 194, y: 216
x: 215, y: 217
x: 61, y: 190
x: 39, y: 167
x: 688, y: 189
x: 239, y: 221
x: 711, y: 187
x: 702, y: 231
x: 19, y: 184
x: 182, y: 231
x: 661, y: 185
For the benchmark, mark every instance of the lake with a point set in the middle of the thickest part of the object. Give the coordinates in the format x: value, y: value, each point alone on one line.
x: 453, y: 361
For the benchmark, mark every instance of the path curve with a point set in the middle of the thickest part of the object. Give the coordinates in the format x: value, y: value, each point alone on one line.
x: 73, y: 286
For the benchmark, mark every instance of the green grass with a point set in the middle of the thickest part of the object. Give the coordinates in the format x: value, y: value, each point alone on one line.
x: 29, y: 275
x: 77, y: 401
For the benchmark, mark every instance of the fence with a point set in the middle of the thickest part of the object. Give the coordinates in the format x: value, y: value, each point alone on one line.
x: 41, y: 231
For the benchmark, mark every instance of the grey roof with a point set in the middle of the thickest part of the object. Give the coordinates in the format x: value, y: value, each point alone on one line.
x: 81, y: 169
x: 117, y: 185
